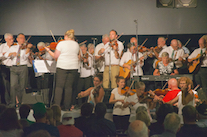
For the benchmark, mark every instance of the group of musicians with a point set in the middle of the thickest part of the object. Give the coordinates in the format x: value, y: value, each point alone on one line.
x: 82, y: 70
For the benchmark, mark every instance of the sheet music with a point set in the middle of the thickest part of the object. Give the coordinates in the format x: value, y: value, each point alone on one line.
x: 41, y: 67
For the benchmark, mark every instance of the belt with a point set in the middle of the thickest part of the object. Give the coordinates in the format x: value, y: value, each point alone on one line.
x: 18, y: 65
x: 111, y: 65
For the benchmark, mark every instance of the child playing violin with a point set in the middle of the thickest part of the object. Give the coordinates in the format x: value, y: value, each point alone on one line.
x: 120, y: 114
x: 96, y: 93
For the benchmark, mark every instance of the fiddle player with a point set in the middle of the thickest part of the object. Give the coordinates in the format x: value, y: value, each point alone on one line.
x: 131, y: 54
x: 100, y: 59
x: 175, y: 54
x: 86, y: 69
x: 118, y: 98
x: 95, y: 94
x: 200, y: 76
x: 66, y: 54
x: 186, y: 50
x: 5, y: 66
x: 134, y: 101
x: 165, y: 67
x: 18, y: 70
x: 133, y: 40
x: 112, y: 54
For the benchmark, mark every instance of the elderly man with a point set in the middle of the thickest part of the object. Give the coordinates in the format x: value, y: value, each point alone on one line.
x: 138, y: 129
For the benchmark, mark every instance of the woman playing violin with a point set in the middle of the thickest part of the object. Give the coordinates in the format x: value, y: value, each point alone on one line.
x: 95, y: 94
x: 120, y: 113
x: 165, y: 67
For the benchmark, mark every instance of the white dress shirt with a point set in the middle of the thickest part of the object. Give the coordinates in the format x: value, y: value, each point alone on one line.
x: 89, y: 70
x: 23, y: 55
x: 177, y: 53
x: 98, y: 47
x: 3, y: 49
x: 108, y: 49
x: 196, y: 52
x: 128, y: 56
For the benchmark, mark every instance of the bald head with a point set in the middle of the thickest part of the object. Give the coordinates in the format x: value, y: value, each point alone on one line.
x: 133, y: 40
x: 201, y: 42
x: 172, y: 84
x: 174, y: 44
x: 138, y: 129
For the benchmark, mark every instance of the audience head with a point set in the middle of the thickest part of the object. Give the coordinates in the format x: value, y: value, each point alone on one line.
x: 174, y: 44
x: 189, y: 114
x: 172, y: 122
x: 56, y: 112
x: 161, y: 41
x: 86, y: 109
x: 24, y: 123
x: 9, y: 38
x: 143, y: 116
x: 39, y: 133
x: 172, y: 83
x: 185, y: 83
x: 202, y: 111
x: 39, y: 111
x: 69, y: 35
x: 105, y: 38
x: 138, y: 129
x: 50, y: 119
x: 120, y: 81
x: 163, y: 110
x: 2, y: 108
x: 24, y: 111
x: 68, y: 119
x: 100, y: 110
x: 9, y: 120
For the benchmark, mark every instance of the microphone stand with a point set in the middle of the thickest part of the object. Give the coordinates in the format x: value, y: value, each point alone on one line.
x: 110, y: 67
x: 136, y: 24
x: 94, y: 42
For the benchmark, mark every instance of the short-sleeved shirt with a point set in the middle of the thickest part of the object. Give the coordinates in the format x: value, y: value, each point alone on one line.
x: 171, y: 95
x: 118, y: 106
x: 68, y: 58
x: 166, y: 70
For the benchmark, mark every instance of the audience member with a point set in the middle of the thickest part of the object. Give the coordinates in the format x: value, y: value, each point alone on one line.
x: 143, y: 116
x: 202, y: 115
x: 56, y: 114
x: 190, y: 128
x: 67, y: 128
x: 86, y: 119
x: 102, y: 126
x: 138, y: 128
x: 171, y: 125
x: 24, y: 111
x: 9, y: 124
x: 50, y: 119
x: 40, y: 133
x: 40, y: 117
x: 157, y: 127
x: 24, y: 123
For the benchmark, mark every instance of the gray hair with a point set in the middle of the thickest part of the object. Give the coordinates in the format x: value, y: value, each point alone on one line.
x: 82, y: 45
x: 179, y: 42
x: 141, y: 108
x: 105, y: 35
x: 90, y: 45
x: 41, y: 44
x: 162, y: 38
x: 172, y: 122
x: 143, y: 116
x: 138, y: 129
x: 139, y: 85
x: 165, y: 54
x: 7, y: 34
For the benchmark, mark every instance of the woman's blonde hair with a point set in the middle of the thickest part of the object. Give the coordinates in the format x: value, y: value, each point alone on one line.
x: 70, y: 34
x: 165, y: 54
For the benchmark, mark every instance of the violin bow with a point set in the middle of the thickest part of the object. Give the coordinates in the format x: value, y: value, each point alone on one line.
x: 142, y: 44
x: 164, y: 86
x: 53, y: 36
x: 83, y: 42
x: 187, y: 42
x: 196, y: 87
x: 120, y: 35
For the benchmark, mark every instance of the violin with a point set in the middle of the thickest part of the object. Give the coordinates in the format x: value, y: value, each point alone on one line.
x: 53, y: 45
x: 113, y: 43
x: 85, y: 56
x: 127, y: 92
x: 146, y: 97
x: 159, y: 92
x: 96, y: 90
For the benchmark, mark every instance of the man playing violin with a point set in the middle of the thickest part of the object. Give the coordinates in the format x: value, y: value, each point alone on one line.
x: 19, y: 70
x: 5, y: 65
x: 165, y: 67
x: 99, y: 58
x: 113, y: 52
x: 136, y: 58
x: 133, y: 40
x: 199, y: 54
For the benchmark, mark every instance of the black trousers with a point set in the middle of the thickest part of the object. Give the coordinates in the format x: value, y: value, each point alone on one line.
x: 201, y: 79
x: 75, y: 89
x: 5, y: 84
x: 64, y: 81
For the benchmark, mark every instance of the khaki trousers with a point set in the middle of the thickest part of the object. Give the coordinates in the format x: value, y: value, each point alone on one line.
x: 114, y: 73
